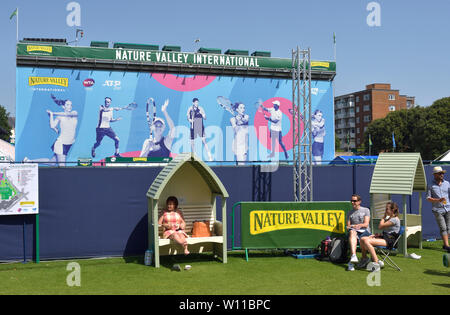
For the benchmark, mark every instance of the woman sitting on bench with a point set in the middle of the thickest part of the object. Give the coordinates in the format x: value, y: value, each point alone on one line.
x: 173, y: 223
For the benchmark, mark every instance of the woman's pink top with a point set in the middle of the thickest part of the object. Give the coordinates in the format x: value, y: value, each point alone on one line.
x: 172, y: 217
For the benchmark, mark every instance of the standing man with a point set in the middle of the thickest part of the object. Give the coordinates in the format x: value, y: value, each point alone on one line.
x: 196, y: 115
x: 275, y: 127
x: 104, y: 127
x: 357, y: 225
x: 438, y: 194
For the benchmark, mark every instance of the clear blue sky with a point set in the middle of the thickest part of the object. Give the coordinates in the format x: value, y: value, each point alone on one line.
x: 410, y: 50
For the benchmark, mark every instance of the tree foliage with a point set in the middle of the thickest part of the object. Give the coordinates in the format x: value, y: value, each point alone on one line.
x: 5, y: 129
x: 420, y: 129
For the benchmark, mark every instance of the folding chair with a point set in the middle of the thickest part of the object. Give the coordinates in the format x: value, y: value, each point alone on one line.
x: 385, y: 251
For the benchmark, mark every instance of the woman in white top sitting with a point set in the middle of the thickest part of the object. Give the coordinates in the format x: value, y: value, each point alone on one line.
x: 390, y: 224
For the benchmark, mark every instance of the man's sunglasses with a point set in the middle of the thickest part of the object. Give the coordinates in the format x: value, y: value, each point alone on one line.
x: 354, y: 200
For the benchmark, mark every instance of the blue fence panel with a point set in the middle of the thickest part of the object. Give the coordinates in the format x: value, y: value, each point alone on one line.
x: 93, y: 212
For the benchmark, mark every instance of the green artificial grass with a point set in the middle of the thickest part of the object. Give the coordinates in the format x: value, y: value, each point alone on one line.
x: 266, y: 273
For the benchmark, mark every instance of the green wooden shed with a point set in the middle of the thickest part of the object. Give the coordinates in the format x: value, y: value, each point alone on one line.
x: 197, y: 188
x: 399, y: 174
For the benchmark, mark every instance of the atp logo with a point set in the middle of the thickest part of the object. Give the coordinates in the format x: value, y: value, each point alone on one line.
x: 114, y: 84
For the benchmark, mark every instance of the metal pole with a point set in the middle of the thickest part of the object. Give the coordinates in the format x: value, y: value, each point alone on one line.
x: 301, y: 99
x: 24, y: 241
x: 37, y: 240
x: 311, y: 198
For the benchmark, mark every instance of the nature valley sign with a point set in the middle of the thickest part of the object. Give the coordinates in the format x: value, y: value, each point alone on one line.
x: 187, y: 58
x: 88, y: 54
x: 265, y: 221
x: 32, y: 81
x: 290, y: 224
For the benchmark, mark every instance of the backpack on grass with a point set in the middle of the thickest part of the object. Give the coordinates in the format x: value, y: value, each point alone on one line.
x: 339, y: 250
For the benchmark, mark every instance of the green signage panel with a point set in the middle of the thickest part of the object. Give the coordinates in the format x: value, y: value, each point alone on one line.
x: 165, y: 57
x: 291, y: 224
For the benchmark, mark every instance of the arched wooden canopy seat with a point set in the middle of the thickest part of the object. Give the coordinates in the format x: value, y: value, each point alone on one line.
x: 197, y: 188
x: 399, y: 174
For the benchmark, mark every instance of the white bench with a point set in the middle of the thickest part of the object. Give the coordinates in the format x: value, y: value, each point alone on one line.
x: 192, y: 213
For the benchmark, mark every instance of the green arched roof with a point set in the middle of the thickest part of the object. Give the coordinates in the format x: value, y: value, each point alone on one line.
x: 398, y: 173
x: 171, y: 168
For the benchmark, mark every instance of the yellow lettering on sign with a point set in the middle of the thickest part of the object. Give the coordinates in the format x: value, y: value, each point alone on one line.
x: 27, y: 203
x: 48, y: 49
x: 263, y: 221
x: 32, y: 81
x: 320, y: 64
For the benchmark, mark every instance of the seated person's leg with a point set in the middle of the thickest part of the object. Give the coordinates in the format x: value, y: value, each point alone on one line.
x: 353, y: 240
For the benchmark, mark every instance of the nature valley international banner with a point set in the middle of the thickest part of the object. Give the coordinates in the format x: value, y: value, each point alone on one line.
x: 66, y: 114
x: 291, y: 225
x: 146, y: 56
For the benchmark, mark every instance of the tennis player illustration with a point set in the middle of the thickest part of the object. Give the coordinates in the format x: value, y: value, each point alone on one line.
x: 240, y: 127
x: 103, y: 129
x: 239, y: 122
x: 318, y: 133
x: 67, y: 122
x: 275, y: 127
x: 196, y: 115
x: 158, y: 145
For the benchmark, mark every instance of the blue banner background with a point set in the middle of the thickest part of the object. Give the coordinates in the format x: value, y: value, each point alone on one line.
x: 35, y: 138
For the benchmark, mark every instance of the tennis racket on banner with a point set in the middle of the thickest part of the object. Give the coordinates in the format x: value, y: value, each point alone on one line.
x: 151, y: 115
x: 258, y: 105
x: 57, y: 101
x: 131, y: 106
x: 225, y: 103
x: 259, y: 108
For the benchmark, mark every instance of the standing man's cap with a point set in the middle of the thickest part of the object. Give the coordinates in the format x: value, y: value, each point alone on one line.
x: 194, y: 99
x: 438, y: 169
x: 276, y: 103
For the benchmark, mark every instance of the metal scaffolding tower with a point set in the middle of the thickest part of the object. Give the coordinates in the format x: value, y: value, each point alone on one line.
x: 302, y: 133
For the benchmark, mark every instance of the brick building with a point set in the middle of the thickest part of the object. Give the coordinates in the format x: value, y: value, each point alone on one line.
x: 353, y: 112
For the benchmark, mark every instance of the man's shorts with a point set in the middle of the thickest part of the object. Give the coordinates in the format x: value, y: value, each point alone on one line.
x: 101, y: 132
x: 317, y: 149
x: 360, y: 235
x: 198, y: 130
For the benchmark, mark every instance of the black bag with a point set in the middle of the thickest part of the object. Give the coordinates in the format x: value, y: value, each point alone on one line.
x: 339, y: 250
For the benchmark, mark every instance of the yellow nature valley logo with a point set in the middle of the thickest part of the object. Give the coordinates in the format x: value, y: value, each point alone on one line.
x: 322, y: 64
x: 32, y: 81
x: 274, y: 220
x: 31, y: 48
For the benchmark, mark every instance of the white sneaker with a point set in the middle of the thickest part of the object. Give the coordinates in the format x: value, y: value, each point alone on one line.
x: 351, y: 267
x: 373, y: 266
x: 354, y: 259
